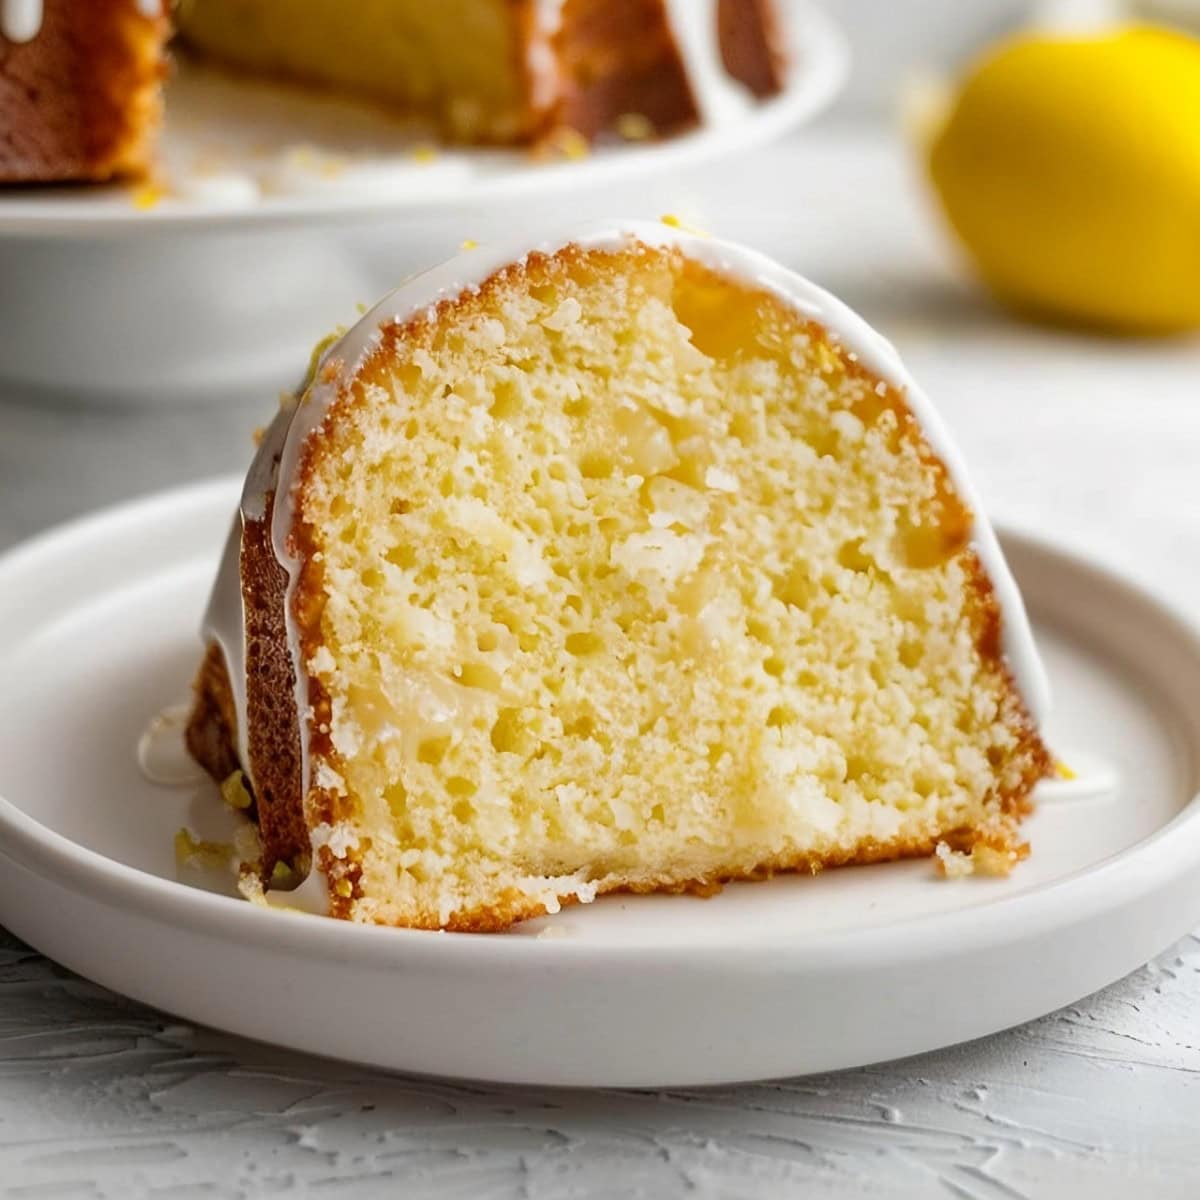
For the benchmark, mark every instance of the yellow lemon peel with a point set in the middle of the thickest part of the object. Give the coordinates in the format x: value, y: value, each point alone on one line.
x: 1069, y: 166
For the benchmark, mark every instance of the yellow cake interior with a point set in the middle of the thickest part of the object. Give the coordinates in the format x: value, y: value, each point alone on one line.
x: 624, y: 576
x: 457, y: 61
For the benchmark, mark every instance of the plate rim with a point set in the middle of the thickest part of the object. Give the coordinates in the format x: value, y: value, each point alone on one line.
x: 1154, y: 863
x: 819, y: 47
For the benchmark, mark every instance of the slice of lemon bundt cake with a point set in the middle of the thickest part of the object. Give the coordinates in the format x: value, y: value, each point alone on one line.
x: 81, y: 95
x: 631, y: 561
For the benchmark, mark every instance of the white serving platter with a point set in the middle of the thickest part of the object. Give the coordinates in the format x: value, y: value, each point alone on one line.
x: 281, y: 210
x: 98, y: 633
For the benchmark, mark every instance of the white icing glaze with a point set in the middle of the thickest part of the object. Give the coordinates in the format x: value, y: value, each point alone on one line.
x: 540, y: 58
x: 162, y: 756
x: 547, y: 14
x: 21, y: 20
x: 309, y: 896
x: 719, y: 97
x: 279, y: 454
x: 224, y: 623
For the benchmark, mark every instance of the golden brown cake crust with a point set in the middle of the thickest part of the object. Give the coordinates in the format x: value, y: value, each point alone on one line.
x: 519, y: 907
x: 81, y: 101
x: 752, y: 44
x: 211, y: 733
x: 274, y: 724
x: 606, y: 73
x: 279, y: 719
x: 274, y: 780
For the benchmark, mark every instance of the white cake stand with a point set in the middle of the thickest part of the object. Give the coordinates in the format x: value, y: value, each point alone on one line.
x: 283, y: 211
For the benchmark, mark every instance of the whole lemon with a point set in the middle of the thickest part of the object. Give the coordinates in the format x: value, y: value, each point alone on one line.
x: 1070, y: 168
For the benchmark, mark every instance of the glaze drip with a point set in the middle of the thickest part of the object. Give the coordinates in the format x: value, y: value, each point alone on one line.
x: 719, y: 97
x: 540, y: 58
x: 21, y: 20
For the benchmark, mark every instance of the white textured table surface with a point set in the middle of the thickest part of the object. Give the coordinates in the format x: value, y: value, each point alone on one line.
x: 1092, y: 439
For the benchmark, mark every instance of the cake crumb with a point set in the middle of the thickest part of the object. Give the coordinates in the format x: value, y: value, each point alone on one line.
x: 994, y: 859
x: 234, y: 791
x: 251, y: 888
x: 635, y: 127
x: 674, y: 221
x: 148, y: 195
x: 952, y: 864
x: 424, y: 154
x: 1062, y: 771
x: 570, y: 143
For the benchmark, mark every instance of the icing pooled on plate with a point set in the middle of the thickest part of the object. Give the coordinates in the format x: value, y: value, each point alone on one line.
x: 162, y: 756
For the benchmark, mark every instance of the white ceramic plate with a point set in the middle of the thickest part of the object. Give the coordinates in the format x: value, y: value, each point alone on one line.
x: 98, y: 633
x: 237, y: 154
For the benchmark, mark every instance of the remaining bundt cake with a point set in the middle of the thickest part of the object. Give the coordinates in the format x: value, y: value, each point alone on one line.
x: 80, y: 93
x: 80, y: 88
x: 505, y: 70
x: 631, y: 561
